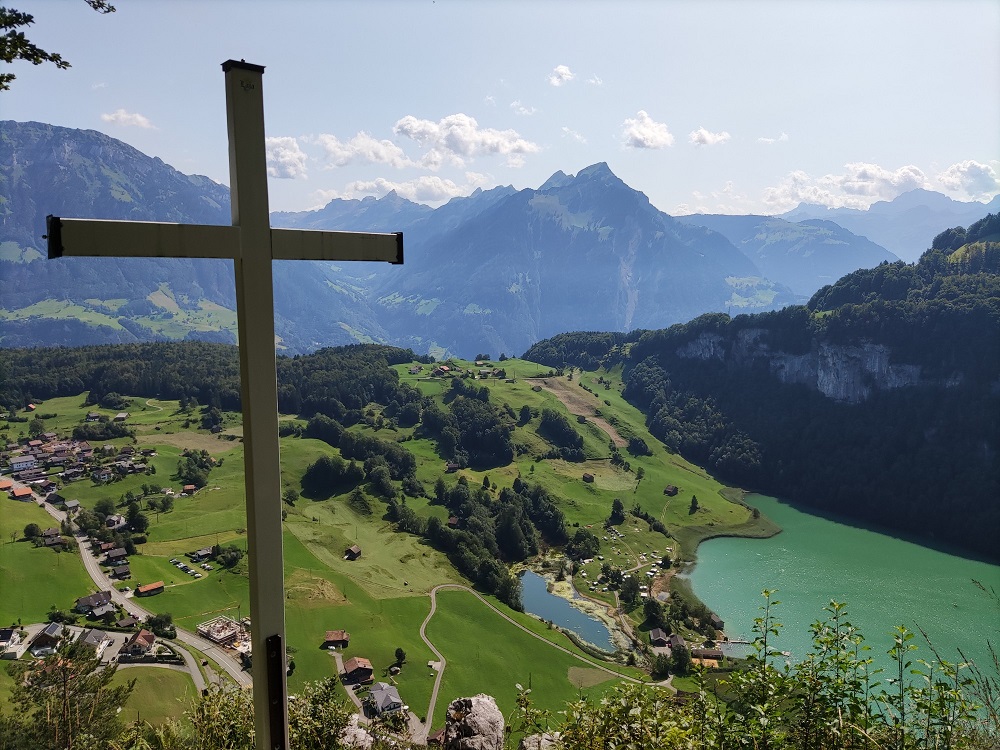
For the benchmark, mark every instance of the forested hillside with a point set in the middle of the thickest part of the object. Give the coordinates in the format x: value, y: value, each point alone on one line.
x: 879, y: 400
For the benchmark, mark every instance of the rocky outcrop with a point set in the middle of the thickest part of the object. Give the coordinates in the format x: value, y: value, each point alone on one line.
x: 547, y: 741
x: 356, y: 737
x: 474, y: 724
x: 849, y: 373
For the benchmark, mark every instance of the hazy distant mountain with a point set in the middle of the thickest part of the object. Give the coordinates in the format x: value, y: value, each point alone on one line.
x: 904, y: 225
x: 494, y: 270
x: 586, y: 252
x: 804, y: 255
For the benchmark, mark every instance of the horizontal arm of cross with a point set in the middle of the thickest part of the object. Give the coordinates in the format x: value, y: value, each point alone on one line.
x: 149, y: 239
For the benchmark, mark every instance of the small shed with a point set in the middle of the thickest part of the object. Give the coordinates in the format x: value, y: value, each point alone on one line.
x: 352, y: 553
x: 588, y: 477
x: 670, y: 490
x: 336, y: 639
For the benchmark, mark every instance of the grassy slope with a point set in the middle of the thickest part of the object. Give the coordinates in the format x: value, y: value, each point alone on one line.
x: 381, y: 599
x: 159, y: 694
x: 32, y: 579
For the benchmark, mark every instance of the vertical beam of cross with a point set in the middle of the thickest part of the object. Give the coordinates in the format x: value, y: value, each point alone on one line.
x: 252, y: 245
x: 259, y: 391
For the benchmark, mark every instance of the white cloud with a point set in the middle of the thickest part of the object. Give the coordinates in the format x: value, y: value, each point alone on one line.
x: 645, y: 132
x: 780, y: 139
x: 490, y: 99
x: 595, y: 81
x: 859, y: 186
x: 458, y: 137
x: 363, y: 148
x: 284, y: 158
x: 569, y: 133
x: 972, y: 178
x: 322, y: 197
x: 561, y: 75
x: 426, y: 188
x: 522, y: 109
x: 127, y: 119
x: 101, y: 85
x: 878, y: 182
x: 702, y: 137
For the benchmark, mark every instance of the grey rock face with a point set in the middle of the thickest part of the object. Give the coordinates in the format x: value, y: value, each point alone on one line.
x: 474, y: 724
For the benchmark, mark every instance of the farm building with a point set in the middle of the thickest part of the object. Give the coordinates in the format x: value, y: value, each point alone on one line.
x: 357, y: 669
x: 352, y: 553
x: 149, y: 589
x: 670, y: 490
x: 588, y: 478
x: 336, y: 639
x: 21, y: 493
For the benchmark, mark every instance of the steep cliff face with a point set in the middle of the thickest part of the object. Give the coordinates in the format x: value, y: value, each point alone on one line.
x: 848, y: 373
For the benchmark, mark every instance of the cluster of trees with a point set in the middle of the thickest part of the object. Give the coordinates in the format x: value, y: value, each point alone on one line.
x: 194, y: 467
x: 472, y: 432
x: 337, y: 382
x: 492, y: 531
x: 554, y: 427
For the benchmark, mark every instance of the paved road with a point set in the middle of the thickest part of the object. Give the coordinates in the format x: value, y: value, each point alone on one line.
x: 217, y: 654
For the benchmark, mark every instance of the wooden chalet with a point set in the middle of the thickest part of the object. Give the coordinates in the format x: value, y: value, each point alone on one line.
x: 352, y: 553
x: 336, y: 639
x: 357, y: 669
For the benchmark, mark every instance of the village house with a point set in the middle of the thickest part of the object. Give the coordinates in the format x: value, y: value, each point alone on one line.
x: 54, y: 498
x: 95, y: 639
x: 116, y: 557
x: 149, y: 589
x: 115, y: 522
x: 383, y: 699
x: 71, y: 506
x: 202, y: 554
x: 6, y: 485
x: 657, y: 637
x: 717, y: 622
x: 51, y: 531
x: 121, y: 572
x: 675, y: 640
x: 92, y: 416
x: 127, y: 622
x: 102, y: 475
x: 20, y: 463
x: 352, y: 553
x: 48, y: 639
x: 87, y: 604
x: 139, y: 644
x: 45, y: 486
x: 707, y: 653
x: 336, y: 639
x: 9, y: 638
x: 357, y: 669
x: 54, y: 541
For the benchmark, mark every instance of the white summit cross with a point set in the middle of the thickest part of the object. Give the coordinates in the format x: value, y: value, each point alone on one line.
x: 252, y: 244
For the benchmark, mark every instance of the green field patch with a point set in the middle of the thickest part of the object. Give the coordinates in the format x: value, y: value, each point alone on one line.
x: 582, y: 677
x: 160, y: 693
x: 309, y: 590
x: 34, y: 578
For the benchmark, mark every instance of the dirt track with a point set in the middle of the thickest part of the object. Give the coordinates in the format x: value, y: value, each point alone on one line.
x: 580, y: 403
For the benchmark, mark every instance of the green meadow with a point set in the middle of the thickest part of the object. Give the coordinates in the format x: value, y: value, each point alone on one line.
x: 382, y: 598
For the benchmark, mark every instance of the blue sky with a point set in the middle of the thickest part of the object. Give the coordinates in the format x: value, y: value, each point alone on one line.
x: 732, y: 107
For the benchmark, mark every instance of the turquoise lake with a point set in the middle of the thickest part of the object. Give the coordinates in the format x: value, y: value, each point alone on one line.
x: 885, y: 582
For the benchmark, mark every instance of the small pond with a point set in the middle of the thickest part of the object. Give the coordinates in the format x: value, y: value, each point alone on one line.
x: 540, y: 602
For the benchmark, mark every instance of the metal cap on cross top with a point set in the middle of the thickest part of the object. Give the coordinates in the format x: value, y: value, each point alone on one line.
x: 252, y: 245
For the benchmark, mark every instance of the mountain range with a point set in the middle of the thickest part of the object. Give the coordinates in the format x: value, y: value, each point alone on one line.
x: 494, y: 271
